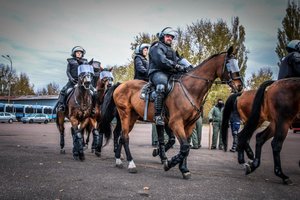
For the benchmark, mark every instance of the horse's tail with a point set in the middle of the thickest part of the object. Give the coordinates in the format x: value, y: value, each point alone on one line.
x: 108, y: 111
x: 254, y: 117
x: 230, y: 105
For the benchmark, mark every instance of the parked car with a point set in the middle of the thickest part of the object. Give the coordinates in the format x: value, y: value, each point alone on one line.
x: 36, y: 118
x: 7, y: 117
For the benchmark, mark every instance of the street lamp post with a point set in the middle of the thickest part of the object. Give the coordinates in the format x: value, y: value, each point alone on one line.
x: 7, y: 57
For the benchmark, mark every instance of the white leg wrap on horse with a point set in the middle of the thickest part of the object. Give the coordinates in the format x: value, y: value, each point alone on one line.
x: 118, y: 161
x: 131, y: 164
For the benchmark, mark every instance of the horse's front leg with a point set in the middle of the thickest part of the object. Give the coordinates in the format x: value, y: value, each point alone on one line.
x: 261, y: 138
x: 182, y: 135
x: 170, y: 143
x: 180, y: 159
x: 97, y: 139
x: 161, y: 143
x: 77, y: 140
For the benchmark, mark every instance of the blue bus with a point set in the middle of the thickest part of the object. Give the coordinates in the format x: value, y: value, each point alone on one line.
x: 4, y: 107
x: 22, y: 110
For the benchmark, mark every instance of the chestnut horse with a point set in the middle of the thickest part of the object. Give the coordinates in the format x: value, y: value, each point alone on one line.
x: 182, y: 106
x: 276, y: 102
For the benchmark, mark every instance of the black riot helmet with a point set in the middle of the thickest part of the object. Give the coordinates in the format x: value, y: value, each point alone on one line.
x: 166, y: 31
x: 139, y: 48
x: 77, y: 48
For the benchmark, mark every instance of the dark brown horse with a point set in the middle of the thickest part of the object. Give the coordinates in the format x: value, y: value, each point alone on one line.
x: 276, y: 102
x: 79, y: 108
x: 182, y: 105
x: 104, y: 82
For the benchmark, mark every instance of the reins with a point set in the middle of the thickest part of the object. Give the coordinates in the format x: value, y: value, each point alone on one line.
x: 207, y: 81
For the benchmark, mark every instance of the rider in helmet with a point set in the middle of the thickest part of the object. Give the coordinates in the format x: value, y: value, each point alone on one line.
x: 77, y: 59
x: 163, y: 62
x: 141, y: 63
x: 290, y: 65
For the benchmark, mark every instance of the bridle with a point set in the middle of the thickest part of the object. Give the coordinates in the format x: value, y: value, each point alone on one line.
x: 223, y: 81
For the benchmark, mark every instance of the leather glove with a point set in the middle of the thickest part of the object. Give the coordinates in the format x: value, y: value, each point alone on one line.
x: 180, y: 68
x: 210, y: 120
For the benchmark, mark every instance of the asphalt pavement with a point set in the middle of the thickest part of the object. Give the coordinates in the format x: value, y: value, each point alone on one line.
x: 31, y: 167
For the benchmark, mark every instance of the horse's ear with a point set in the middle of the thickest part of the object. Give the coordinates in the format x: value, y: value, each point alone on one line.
x: 110, y: 69
x: 91, y: 61
x: 230, y: 50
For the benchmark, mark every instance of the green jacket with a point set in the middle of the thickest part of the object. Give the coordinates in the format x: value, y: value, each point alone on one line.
x: 216, y: 114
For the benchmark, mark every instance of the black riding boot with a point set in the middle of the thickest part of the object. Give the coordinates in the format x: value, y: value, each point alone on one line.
x: 158, y: 103
x: 61, y: 102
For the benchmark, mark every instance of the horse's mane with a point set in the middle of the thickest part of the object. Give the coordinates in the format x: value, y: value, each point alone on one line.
x: 206, y: 60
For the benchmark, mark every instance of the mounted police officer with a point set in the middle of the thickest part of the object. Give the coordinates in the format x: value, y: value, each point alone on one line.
x: 141, y: 63
x: 77, y: 59
x: 290, y: 65
x: 163, y: 62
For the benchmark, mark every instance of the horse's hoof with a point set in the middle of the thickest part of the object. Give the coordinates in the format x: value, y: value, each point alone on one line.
x: 62, y: 151
x: 287, y: 182
x: 166, y: 166
x: 247, y: 169
x: 155, y: 152
x: 98, y: 153
x: 119, y: 165
x: 186, y: 175
x: 82, y: 158
x: 76, y: 157
x: 132, y: 170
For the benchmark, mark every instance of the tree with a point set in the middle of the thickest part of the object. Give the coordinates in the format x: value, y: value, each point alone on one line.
x: 7, y: 79
x: 290, y: 29
x: 53, y: 88
x: 50, y: 89
x: 22, y: 86
x: 209, y: 38
x: 256, y: 80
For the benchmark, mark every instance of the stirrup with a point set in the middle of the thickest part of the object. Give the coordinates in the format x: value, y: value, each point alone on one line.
x: 159, y: 120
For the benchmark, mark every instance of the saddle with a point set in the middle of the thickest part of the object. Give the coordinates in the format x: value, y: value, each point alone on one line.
x: 70, y: 92
x: 148, y: 92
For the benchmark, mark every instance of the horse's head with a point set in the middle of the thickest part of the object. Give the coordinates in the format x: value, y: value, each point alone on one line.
x: 85, y: 75
x: 230, y: 71
x: 106, y: 78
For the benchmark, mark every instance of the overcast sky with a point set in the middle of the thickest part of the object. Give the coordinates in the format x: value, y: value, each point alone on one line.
x: 39, y: 34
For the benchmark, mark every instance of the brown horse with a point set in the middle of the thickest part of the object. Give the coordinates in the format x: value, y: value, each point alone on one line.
x: 277, y: 102
x: 79, y: 108
x: 182, y: 106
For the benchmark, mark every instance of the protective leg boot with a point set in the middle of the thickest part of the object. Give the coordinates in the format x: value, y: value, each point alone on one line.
x: 158, y: 103
x: 234, y: 144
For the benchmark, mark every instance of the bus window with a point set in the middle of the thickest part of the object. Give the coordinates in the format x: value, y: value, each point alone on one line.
x: 9, y: 108
x: 1, y: 107
x: 28, y: 109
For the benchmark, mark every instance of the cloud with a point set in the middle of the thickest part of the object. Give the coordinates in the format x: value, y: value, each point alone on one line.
x: 39, y: 34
